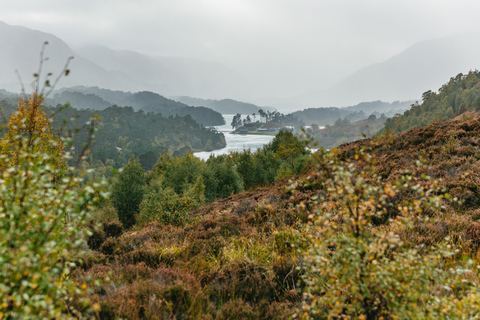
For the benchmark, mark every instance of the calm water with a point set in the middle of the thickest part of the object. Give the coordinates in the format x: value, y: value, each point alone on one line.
x: 236, y: 142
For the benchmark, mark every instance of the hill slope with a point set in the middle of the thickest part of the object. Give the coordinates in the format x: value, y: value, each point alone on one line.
x: 238, y: 257
x: 98, y: 99
x: 224, y: 106
x: 20, y: 51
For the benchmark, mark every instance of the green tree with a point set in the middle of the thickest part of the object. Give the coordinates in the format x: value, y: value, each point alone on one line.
x: 236, y: 121
x: 166, y: 207
x: 221, y: 179
x: 287, y: 148
x: 127, y: 192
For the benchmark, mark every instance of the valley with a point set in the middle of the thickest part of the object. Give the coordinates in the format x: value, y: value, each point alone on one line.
x: 207, y: 183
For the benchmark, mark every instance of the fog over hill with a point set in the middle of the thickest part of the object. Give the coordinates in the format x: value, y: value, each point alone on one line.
x: 170, y: 75
x: 21, y: 51
x: 110, y: 69
x: 224, y: 106
x: 421, y: 67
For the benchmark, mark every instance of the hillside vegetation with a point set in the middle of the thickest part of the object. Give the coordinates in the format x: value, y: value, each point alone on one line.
x: 250, y: 256
x: 327, y: 116
x: 98, y: 99
x: 460, y: 94
x: 123, y: 133
x: 384, y: 228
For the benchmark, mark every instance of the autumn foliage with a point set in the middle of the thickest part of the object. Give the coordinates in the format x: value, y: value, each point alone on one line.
x: 31, y: 124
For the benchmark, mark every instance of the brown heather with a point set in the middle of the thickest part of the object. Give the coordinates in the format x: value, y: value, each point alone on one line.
x: 238, y: 258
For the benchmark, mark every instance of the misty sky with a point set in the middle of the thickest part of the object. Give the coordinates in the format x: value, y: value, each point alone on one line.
x: 296, y: 44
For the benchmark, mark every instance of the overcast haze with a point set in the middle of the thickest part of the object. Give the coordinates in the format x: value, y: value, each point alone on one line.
x: 290, y: 46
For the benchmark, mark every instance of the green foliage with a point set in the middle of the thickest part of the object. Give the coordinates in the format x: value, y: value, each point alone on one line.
x: 287, y: 147
x: 460, y: 94
x: 43, y: 214
x: 123, y: 133
x: 166, y: 207
x: 354, y: 270
x: 236, y: 121
x: 150, y: 102
x: 127, y: 192
x: 179, y: 173
x: 221, y: 178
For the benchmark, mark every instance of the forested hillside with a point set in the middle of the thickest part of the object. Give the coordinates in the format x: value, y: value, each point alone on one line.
x: 96, y: 98
x: 123, y: 133
x: 460, y: 94
x: 324, y: 116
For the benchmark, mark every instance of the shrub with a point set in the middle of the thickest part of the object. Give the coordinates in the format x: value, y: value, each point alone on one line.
x: 113, y: 229
x: 354, y: 270
x: 167, y: 207
x: 43, y: 215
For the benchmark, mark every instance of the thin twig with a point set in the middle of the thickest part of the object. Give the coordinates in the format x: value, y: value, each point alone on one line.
x: 65, y: 71
x: 40, y: 67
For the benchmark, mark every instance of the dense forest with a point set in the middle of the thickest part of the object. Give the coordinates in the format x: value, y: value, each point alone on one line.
x: 123, y: 133
x: 99, y: 99
x: 459, y: 95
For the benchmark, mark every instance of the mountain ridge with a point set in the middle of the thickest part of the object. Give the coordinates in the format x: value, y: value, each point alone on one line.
x: 420, y: 67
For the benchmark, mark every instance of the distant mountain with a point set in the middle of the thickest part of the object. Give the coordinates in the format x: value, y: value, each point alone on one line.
x: 98, y: 99
x: 328, y: 115
x: 110, y: 69
x: 423, y: 66
x: 171, y: 75
x: 224, y: 106
x: 21, y: 51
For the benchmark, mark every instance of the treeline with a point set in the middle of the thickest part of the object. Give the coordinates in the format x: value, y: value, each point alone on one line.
x: 176, y: 185
x: 123, y: 133
x: 324, y: 116
x: 459, y: 95
x: 98, y: 99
